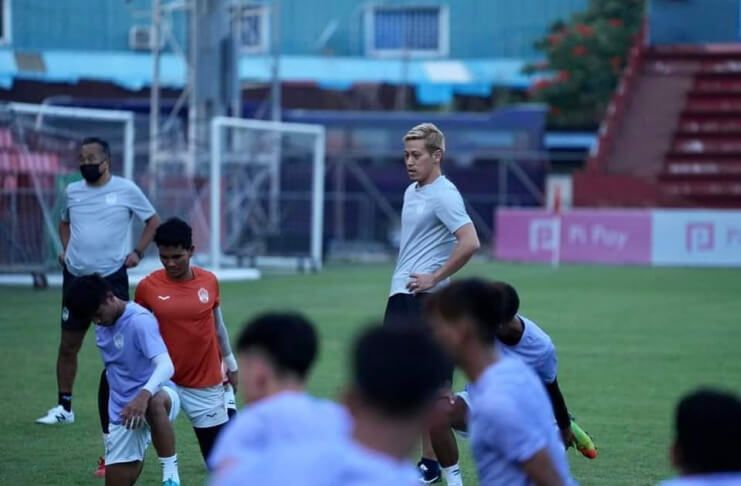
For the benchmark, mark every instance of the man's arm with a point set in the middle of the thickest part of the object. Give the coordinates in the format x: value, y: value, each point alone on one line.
x: 541, y: 471
x: 134, y: 412
x: 226, y: 348
x: 64, y: 234
x: 467, y: 245
x: 144, y: 240
x: 560, y: 412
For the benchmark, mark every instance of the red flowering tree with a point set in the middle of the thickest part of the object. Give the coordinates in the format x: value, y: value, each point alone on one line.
x: 584, y: 59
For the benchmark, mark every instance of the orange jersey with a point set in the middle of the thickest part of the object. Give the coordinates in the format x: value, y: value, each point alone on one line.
x: 185, y: 312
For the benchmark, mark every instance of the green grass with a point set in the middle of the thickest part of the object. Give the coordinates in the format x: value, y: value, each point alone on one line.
x: 630, y: 342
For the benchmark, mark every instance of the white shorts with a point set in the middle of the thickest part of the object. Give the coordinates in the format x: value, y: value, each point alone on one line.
x: 129, y: 445
x: 204, y: 407
x: 463, y: 395
x: 230, y: 401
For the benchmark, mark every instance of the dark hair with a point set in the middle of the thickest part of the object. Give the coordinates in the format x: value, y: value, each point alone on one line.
x: 708, y: 428
x: 511, y: 301
x: 288, y: 339
x: 474, y: 298
x: 99, y: 141
x: 86, y: 294
x: 174, y: 232
x: 398, y: 371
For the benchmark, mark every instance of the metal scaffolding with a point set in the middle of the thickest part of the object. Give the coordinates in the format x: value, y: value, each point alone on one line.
x: 212, y: 79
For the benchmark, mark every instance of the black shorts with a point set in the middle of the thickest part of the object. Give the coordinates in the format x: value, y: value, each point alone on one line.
x: 119, y: 281
x: 404, y: 310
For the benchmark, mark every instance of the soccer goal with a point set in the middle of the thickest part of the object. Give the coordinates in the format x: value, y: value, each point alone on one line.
x: 38, y: 158
x: 267, y: 194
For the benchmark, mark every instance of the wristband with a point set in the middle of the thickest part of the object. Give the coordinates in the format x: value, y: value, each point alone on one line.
x: 231, y: 363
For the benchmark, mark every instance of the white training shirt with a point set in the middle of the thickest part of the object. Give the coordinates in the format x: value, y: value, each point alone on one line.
x: 336, y: 462
x: 285, y: 418
x: 535, y: 349
x: 100, y: 220
x: 430, y: 216
x: 511, y: 420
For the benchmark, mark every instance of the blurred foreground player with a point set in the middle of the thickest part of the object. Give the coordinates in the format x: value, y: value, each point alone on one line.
x: 522, y: 338
x: 513, y: 437
x: 186, y: 302
x: 141, y: 406
x: 396, y: 377
x: 707, y: 436
x: 276, y: 352
x: 437, y: 239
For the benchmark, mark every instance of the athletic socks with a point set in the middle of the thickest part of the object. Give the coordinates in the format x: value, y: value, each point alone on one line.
x: 170, y: 469
x: 65, y: 400
x: 452, y: 475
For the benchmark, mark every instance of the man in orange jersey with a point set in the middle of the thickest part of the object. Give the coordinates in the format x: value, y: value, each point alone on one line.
x: 185, y: 301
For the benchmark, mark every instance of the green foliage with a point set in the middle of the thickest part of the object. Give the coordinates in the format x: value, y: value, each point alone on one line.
x: 584, y: 59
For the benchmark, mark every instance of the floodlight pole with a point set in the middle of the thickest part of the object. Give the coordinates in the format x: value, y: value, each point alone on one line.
x: 275, y: 115
x: 154, y: 97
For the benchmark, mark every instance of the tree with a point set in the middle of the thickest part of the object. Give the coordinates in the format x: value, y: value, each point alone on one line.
x: 584, y: 59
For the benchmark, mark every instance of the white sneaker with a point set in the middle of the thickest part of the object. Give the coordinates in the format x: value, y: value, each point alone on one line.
x: 57, y: 415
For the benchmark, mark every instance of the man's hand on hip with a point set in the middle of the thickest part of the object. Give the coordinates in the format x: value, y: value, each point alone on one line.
x: 421, y: 282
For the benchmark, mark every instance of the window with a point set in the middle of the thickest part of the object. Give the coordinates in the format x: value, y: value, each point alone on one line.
x: 254, y: 29
x: 406, y: 31
x: 4, y: 21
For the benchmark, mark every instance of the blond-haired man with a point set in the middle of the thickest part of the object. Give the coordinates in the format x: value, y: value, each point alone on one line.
x: 437, y: 239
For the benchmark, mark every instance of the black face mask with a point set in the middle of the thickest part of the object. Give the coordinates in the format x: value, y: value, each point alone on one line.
x: 91, y: 172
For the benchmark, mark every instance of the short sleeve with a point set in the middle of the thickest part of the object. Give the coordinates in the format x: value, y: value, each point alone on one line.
x: 548, y: 367
x: 451, y: 210
x: 138, y: 203
x: 516, y: 439
x: 141, y: 294
x: 64, y: 215
x: 148, y: 339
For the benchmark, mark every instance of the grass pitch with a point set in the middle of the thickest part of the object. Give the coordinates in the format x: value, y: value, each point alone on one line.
x: 630, y: 342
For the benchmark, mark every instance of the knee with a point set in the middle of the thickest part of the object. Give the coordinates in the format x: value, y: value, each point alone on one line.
x: 158, y: 406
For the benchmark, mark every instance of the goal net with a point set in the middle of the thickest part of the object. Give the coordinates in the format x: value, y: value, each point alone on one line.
x: 38, y: 158
x: 267, y: 203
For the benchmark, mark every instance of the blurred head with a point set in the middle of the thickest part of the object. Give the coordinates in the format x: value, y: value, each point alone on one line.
x: 174, y: 240
x: 708, y: 433
x: 466, y: 313
x: 276, y: 352
x: 91, y: 298
x: 397, y: 375
x: 95, y: 159
x: 424, y: 147
x: 510, y: 300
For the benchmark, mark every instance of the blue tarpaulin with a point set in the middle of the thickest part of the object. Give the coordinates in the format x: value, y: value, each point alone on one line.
x: 436, y: 81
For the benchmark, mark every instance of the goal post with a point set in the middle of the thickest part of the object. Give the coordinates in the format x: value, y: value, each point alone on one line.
x: 38, y: 157
x: 87, y: 114
x: 257, y: 151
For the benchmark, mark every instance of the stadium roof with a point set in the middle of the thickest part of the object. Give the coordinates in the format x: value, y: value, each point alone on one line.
x: 436, y: 80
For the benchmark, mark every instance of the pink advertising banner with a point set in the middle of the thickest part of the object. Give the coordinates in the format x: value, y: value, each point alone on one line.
x: 579, y: 236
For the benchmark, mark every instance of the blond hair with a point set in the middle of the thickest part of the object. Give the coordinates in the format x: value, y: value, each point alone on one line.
x: 432, y: 136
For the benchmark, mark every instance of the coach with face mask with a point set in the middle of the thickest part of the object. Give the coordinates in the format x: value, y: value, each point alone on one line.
x: 94, y: 229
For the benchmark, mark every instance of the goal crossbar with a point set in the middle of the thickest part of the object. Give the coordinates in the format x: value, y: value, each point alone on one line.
x: 317, y: 183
